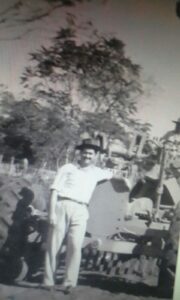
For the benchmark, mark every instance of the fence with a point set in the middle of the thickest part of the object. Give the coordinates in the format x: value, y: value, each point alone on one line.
x: 26, y: 171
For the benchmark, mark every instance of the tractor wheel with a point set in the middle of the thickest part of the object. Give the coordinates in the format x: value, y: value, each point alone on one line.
x: 8, y: 202
x: 16, y: 194
x: 12, y: 266
x: 12, y: 208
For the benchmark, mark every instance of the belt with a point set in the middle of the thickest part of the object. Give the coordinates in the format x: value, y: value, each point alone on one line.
x: 59, y: 198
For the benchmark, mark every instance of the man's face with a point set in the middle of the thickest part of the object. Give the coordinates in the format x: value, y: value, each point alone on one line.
x: 88, y: 157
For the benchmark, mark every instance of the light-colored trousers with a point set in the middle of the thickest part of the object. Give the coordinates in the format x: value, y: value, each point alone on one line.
x: 71, y: 223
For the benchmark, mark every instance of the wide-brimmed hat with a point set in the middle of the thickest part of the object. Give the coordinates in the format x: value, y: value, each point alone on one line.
x: 178, y: 121
x: 89, y: 144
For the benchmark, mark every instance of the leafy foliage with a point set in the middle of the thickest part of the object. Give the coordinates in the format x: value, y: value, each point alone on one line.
x: 39, y: 134
x: 104, y: 76
x: 6, y: 100
x: 72, y: 87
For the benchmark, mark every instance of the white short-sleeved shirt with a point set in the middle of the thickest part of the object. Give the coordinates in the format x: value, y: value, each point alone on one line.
x: 75, y: 182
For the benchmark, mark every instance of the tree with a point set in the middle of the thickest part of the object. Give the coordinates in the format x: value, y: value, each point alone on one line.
x: 6, y: 101
x: 103, y: 74
x: 96, y: 76
x: 37, y: 133
x: 19, y: 14
x: 73, y: 87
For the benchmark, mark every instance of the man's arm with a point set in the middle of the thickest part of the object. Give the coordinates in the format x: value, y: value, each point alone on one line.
x: 53, y: 200
x: 107, y: 174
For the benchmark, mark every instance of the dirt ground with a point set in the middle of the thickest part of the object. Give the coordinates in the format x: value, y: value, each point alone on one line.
x: 30, y: 292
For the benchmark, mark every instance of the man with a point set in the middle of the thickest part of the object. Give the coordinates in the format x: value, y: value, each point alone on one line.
x: 68, y: 211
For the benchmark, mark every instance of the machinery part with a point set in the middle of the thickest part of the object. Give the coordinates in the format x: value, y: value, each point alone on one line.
x: 169, y: 261
x: 13, y: 269
x: 129, y: 268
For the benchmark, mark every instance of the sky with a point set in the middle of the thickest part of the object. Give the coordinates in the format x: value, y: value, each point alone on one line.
x: 149, y: 29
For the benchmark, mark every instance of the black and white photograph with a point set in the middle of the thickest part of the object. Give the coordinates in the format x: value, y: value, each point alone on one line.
x: 89, y: 149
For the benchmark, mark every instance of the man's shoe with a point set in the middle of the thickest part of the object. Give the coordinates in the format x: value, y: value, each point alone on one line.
x: 68, y: 289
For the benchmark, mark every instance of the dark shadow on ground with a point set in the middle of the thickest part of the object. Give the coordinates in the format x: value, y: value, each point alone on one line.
x: 113, y: 285
x: 118, y: 286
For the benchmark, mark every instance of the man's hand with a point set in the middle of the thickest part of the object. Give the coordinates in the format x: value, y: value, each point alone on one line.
x: 118, y: 175
x: 155, y: 216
